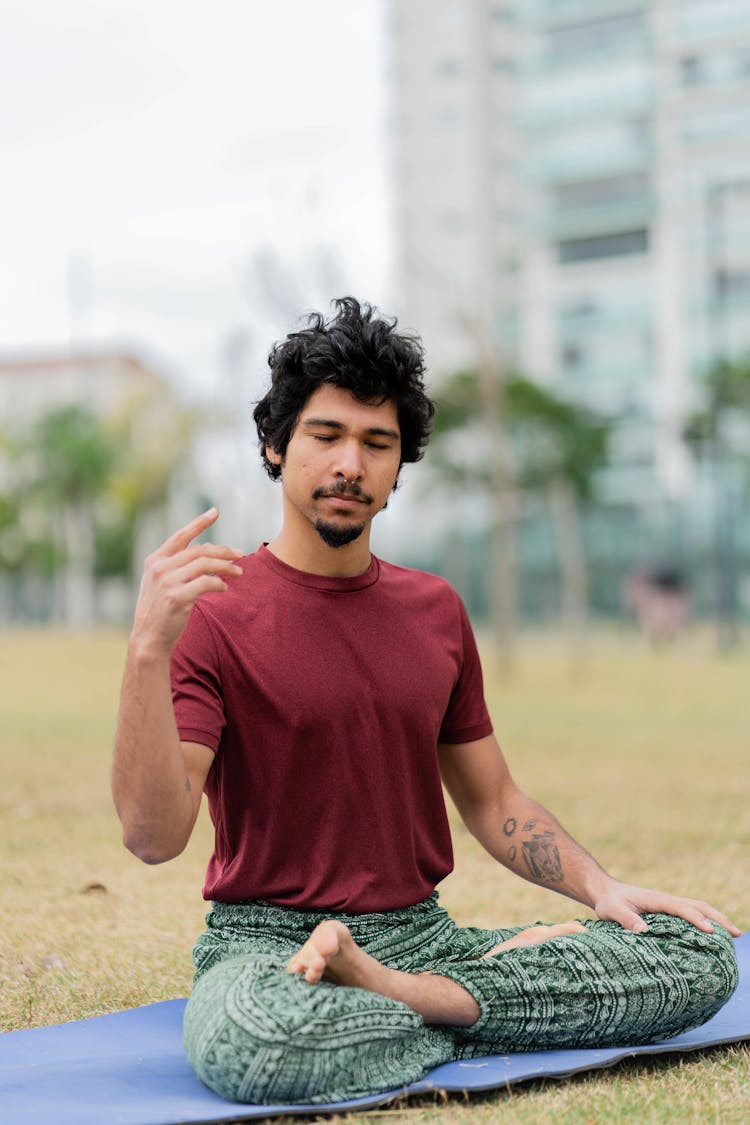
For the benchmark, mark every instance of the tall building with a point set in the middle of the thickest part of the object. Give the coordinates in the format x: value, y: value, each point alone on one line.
x: 455, y: 159
x: 572, y: 188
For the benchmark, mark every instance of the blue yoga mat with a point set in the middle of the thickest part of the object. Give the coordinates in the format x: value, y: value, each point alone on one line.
x: 130, y: 1069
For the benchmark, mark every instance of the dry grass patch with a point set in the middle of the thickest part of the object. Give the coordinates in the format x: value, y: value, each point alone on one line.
x: 643, y: 756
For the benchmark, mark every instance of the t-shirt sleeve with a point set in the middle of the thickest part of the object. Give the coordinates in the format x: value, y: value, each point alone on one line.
x: 196, y: 684
x: 467, y: 717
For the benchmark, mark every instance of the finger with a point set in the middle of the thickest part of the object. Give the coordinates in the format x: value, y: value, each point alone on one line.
x: 191, y: 591
x: 207, y: 565
x: 628, y: 919
x: 214, y: 550
x: 186, y: 534
x: 694, y: 913
x: 717, y: 916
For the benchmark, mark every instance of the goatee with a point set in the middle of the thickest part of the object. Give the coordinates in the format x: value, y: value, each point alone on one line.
x: 335, y: 536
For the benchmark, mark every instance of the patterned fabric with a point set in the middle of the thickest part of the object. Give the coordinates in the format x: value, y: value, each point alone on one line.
x: 255, y: 1033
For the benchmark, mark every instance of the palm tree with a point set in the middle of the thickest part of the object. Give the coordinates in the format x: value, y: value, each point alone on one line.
x: 556, y: 447
x: 154, y: 434
x: 73, y: 460
x: 718, y: 434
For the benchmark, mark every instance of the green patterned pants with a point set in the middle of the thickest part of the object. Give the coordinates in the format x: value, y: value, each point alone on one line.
x: 255, y: 1033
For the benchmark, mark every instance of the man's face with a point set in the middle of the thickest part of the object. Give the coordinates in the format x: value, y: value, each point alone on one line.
x: 340, y: 465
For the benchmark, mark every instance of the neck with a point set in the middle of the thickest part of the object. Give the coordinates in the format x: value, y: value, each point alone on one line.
x: 313, y: 556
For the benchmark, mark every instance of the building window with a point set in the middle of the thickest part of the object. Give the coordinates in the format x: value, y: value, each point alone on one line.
x: 593, y: 35
x: 707, y: 125
x: 449, y: 68
x: 580, y: 308
x: 731, y: 282
x: 692, y: 70
x: 603, y: 246
x: 609, y: 189
x: 715, y: 68
x: 700, y: 16
x: 571, y: 356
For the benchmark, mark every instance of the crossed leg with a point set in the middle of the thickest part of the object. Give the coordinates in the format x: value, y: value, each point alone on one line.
x: 331, y: 954
x: 266, y: 1028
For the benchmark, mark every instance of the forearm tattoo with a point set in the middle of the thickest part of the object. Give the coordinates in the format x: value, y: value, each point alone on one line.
x: 541, y: 854
x: 542, y: 857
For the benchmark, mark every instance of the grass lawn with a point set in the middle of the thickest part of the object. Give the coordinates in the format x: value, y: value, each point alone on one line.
x: 644, y: 756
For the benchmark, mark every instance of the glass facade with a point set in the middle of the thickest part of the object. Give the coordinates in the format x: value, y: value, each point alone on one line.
x: 621, y: 150
x: 604, y: 146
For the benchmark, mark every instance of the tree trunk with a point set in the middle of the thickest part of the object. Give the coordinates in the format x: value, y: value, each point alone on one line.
x: 503, y: 575
x: 78, y: 579
x: 573, y: 570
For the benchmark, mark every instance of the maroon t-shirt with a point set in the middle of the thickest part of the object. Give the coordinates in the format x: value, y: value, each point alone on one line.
x: 324, y: 700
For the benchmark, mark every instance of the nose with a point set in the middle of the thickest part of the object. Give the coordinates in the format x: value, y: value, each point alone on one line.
x: 349, y: 464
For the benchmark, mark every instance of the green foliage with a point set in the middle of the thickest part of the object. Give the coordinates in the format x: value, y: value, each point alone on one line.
x: 25, y: 546
x: 154, y: 435
x: 114, y: 541
x: 552, y: 439
x: 74, y: 455
x: 113, y: 469
x: 722, y: 424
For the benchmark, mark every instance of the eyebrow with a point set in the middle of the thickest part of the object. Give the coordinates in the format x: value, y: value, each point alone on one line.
x: 331, y: 423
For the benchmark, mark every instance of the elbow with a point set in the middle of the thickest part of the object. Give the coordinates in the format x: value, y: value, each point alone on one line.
x: 151, y: 851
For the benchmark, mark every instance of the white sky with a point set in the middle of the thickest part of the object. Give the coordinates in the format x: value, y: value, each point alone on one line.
x: 158, y: 145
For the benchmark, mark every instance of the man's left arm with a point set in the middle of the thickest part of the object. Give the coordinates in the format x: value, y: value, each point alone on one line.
x: 525, y: 837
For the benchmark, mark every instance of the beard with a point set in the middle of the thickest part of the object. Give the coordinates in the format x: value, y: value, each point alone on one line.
x: 336, y: 536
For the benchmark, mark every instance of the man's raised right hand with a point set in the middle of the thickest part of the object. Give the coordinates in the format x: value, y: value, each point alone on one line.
x: 175, y: 575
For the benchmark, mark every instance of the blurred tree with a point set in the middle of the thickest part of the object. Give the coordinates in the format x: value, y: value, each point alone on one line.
x: 471, y: 445
x: 154, y: 434
x: 84, y: 496
x: 722, y: 422
x: 73, y: 460
x: 557, y: 449
x: 718, y: 434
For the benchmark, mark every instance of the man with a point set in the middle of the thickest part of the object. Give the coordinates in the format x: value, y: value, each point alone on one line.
x: 319, y: 695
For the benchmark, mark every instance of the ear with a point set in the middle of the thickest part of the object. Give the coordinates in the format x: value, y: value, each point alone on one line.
x: 273, y: 456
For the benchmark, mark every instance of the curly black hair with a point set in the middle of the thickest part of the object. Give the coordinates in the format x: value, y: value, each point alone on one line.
x: 357, y: 349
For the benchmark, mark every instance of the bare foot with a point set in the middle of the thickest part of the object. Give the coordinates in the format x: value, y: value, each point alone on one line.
x: 331, y: 953
x: 535, y: 935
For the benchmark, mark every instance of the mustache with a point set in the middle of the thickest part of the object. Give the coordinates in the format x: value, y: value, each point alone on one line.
x: 343, y: 488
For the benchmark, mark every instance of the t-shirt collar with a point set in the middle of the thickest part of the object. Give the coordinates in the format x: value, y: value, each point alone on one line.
x: 319, y: 581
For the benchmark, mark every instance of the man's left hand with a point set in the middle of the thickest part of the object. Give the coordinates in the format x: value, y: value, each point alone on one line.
x: 620, y: 902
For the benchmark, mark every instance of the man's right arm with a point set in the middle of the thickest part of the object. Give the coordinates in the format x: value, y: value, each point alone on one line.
x: 157, y: 781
